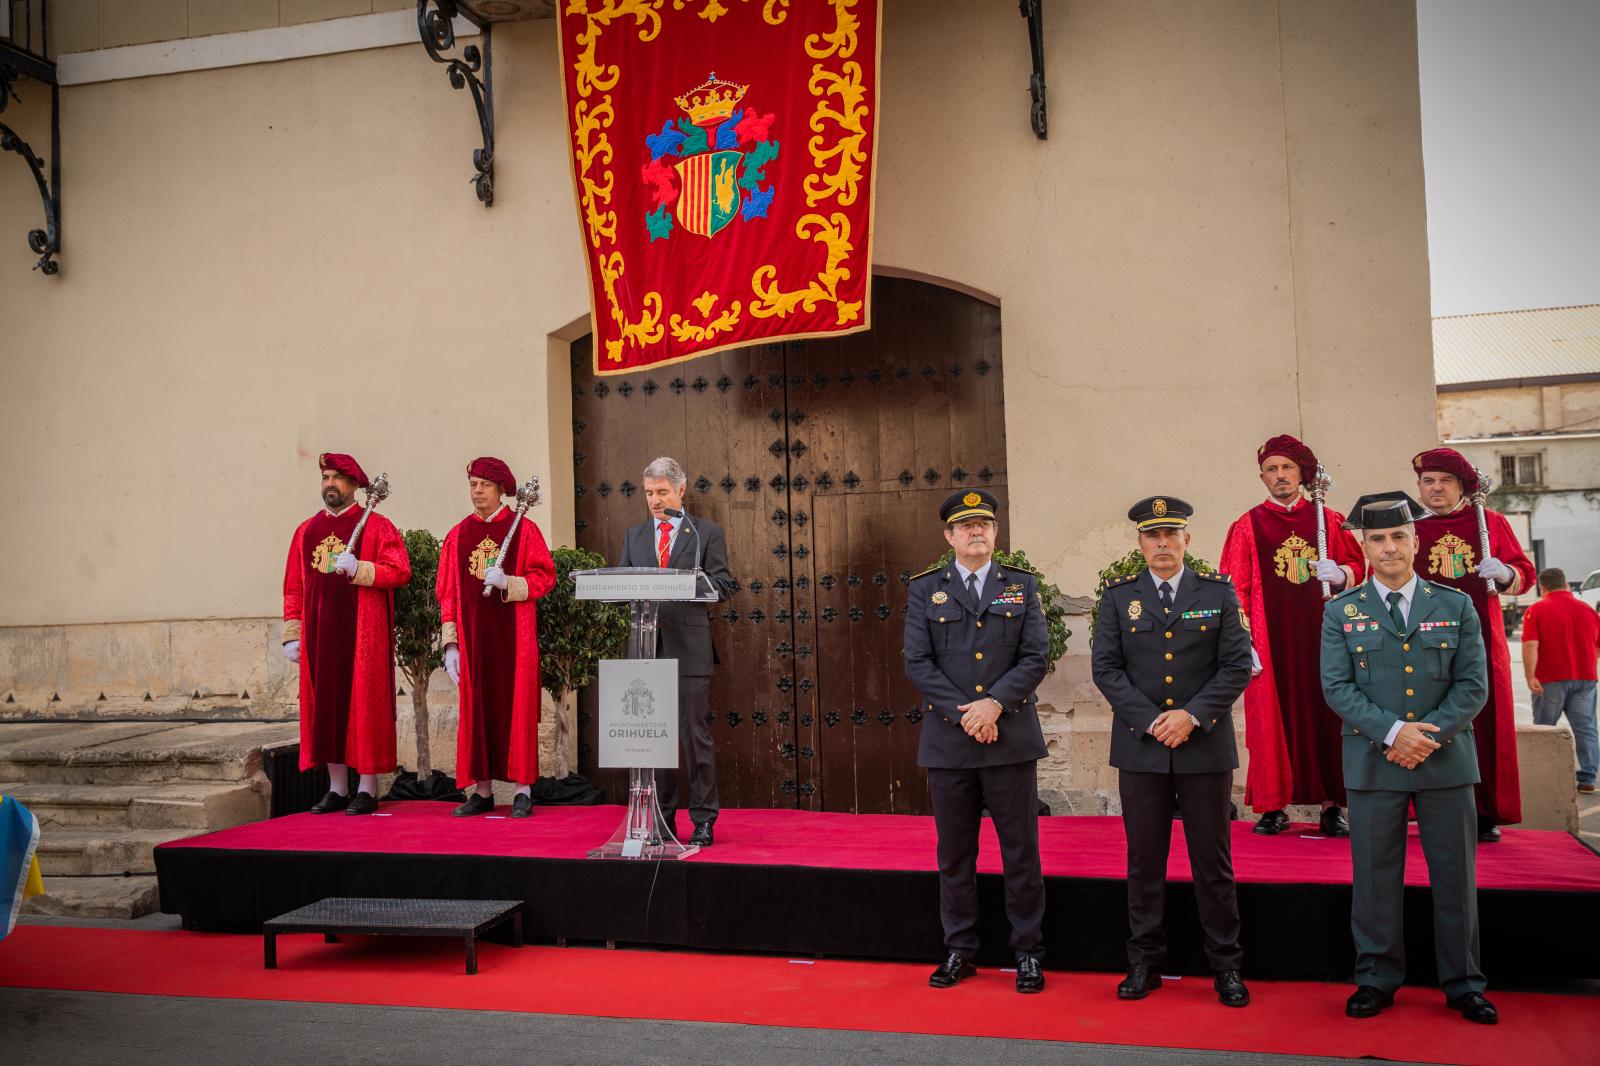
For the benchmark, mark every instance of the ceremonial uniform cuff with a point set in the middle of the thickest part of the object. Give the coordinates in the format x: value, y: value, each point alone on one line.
x: 447, y: 634
x: 291, y: 629
x: 366, y: 574
x: 516, y: 589
x: 1394, y: 731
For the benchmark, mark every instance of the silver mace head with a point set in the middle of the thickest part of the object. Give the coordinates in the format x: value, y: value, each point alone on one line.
x: 378, y: 490
x: 1323, y: 481
x: 528, y: 494
x: 1485, y: 486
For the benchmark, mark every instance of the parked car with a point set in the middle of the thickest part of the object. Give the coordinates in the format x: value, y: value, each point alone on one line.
x: 1589, y: 591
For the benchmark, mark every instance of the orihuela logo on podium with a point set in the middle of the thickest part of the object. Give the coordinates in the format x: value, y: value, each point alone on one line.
x: 639, y: 713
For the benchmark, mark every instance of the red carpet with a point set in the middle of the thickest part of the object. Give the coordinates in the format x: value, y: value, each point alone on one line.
x: 1285, y: 1018
x: 1069, y: 847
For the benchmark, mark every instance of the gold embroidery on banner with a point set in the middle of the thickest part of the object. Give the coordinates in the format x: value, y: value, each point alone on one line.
x: 324, y: 555
x: 1292, y: 561
x: 478, y: 561
x: 1452, y: 557
x: 684, y: 330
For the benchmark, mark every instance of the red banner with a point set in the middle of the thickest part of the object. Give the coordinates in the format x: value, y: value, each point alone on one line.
x: 722, y: 158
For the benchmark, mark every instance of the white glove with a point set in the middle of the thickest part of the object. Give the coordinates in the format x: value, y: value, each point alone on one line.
x: 452, y: 662
x: 1497, y: 571
x: 1255, y: 662
x: 291, y: 650
x: 1331, y: 572
x: 345, y: 564
x: 495, y: 577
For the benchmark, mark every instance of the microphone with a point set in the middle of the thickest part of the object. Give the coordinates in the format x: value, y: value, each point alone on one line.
x: 673, y: 513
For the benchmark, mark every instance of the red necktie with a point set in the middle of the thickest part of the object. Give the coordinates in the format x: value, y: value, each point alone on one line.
x: 664, y: 546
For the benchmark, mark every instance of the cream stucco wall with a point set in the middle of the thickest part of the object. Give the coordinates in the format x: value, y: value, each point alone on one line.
x: 1570, y: 407
x: 1222, y: 239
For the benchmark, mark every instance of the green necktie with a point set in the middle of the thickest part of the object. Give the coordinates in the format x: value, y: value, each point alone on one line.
x: 1395, y: 612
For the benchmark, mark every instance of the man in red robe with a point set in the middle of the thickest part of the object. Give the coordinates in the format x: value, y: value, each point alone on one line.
x: 1448, y: 550
x: 491, y: 643
x: 1271, y: 553
x: 338, y: 625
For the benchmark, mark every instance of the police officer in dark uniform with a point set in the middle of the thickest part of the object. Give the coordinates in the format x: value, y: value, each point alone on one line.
x: 1171, y: 655
x: 976, y: 647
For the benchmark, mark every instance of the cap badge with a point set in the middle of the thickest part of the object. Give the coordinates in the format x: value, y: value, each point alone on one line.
x: 972, y: 499
x: 1159, y: 508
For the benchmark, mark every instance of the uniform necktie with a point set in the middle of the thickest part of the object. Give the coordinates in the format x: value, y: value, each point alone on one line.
x: 972, y: 590
x: 1166, y: 596
x: 1399, y: 617
x: 664, y: 545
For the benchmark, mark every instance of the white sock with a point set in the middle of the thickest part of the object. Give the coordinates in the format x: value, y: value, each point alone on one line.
x: 369, y: 785
x: 524, y: 790
x: 484, y: 789
x: 339, y: 778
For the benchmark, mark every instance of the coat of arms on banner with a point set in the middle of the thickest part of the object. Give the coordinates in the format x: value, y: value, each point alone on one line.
x: 722, y: 157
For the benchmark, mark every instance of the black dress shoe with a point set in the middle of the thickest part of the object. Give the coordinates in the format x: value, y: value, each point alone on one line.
x: 1272, y: 823
x: 1140, y: 982
x: 1334, y: 823
x: 1029, y: 977
x: 1366, y: 1002
x: 333, y: 801
x: 1474, y: 1007
x: 952, y: 970
x: 1488, y: 832
x: 361, y: 803
x: 522, y: 805
x: 477, y: 803
x: 702, y: 835
x: 1231, y: 991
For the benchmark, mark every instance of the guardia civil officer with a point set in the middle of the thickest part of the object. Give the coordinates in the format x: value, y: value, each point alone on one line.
x: 1403, y: 664
x: 976, y: 647
x: 1171, y: 654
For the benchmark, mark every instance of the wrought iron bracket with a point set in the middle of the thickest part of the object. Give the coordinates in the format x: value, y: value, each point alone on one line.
x: 1033, y: 11
x: 473, y: 70
x: 45, y: 242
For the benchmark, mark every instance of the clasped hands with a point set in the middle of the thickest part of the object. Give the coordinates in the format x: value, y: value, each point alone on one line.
x: 1172, y: 728
x: 1413, y: 744
x: 979, y: 719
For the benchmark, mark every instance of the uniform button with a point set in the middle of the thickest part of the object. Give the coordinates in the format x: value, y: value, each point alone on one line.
x: 1132, y: 630
x: 1169, y: 703
x: 1169, y: 656
x: 1202, y: 629
x: 1008, y: 614
x: 980, y: 625
x: 1213, y: 721
x: 1405, y: 647
x: 1169, y: 634
x: 1360, y: 648
x: 941, y: 618
x: 1411, y: 716
x: 1409, y: 670
x: 1169, y: 679
x: 1357, y: 732
x: 1410, y: 692
x: 979, y: 688
x: 1444, y: 644
x: 978, y: 655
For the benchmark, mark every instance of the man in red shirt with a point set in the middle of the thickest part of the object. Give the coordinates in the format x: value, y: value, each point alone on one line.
x: 1560, y: 647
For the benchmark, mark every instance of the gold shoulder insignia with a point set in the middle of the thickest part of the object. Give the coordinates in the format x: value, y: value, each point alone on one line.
x: 1224, y: 578
x: 929, y: 570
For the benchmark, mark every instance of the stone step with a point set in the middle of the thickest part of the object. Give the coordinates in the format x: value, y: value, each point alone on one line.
x: 105, y: 852
x: 111, y: 753
x: 96, y: 897
x: 190, y: 805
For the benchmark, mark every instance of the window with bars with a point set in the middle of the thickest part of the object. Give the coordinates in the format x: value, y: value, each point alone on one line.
x: 1521, y: 470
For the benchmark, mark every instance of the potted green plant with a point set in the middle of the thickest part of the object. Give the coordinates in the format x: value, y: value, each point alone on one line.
x: 574, y: 635
x: 417, y: 653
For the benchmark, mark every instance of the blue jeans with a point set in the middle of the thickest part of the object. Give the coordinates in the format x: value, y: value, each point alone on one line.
x: 1577, y: 700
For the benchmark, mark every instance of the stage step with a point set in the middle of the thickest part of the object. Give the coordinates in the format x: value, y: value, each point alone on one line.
x: 192, y: 805
x: 96, y: 897
x: 129, y: 753
x: 104, y: 852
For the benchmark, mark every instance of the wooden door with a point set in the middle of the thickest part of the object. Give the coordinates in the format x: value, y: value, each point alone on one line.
x: 825, y: 462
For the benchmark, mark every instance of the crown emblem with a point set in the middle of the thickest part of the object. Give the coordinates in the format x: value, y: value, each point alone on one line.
x: 712, y: 103
x: 972, y: 499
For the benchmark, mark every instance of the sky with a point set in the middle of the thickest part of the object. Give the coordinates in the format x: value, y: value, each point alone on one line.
x: 1511, y: 148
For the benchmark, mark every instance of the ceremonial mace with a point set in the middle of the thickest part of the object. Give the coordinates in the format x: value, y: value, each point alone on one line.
x: 377, y: 492
x: 527, y: 496
x: 1320, y: 484
x: 1480, y: 496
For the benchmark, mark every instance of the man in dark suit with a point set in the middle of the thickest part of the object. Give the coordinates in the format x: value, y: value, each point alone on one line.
x: 1171, y: 655
x: 976, y: 647
x: 683, y: 632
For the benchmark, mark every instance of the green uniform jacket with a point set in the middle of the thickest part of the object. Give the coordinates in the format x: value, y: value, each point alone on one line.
x: 1374, y: 675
